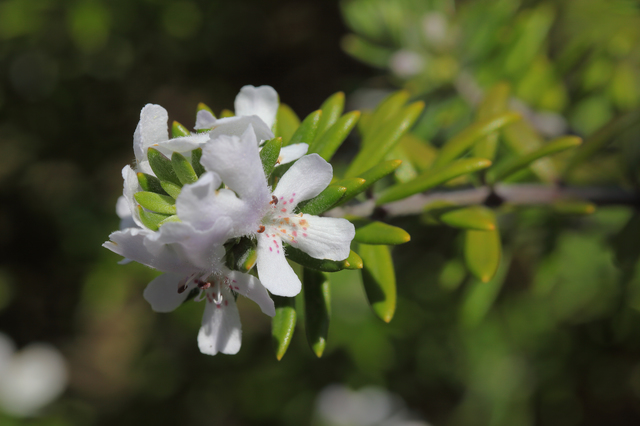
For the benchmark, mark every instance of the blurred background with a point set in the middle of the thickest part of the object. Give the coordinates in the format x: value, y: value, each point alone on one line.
x: 554, y: 339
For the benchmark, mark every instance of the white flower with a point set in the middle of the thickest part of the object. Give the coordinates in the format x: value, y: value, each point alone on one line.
x: 256, y: 212
x: 30, y: 378
x: 193, y: 259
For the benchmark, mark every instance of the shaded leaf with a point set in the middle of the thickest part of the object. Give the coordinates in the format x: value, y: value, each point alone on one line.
x: 379, y: 279
x: 162, y: 167
x: 324, y: 265
x: 150, y: 183
x: 317, y: 309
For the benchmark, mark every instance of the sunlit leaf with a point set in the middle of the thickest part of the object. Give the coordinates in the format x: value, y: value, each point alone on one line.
x: 178, y: 130
x: 151, y: 220
x: 327, y: 144
x: 331, y: 110
x: 183, y: 169
x: 482, y: 252
x: 287, y: 123
x: 474, y: 217
x: 156, y: 202
x: 162, y: 167
x: 150, y: 183
x: 376, y: 233
x: 306, y: 132
x: 269, y: 154
x: 283, y: 324
x: 323, y: 201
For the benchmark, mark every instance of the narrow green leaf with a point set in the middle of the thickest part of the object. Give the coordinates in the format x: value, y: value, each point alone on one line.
x: 354, y: 186
x: 243, y: 255
x: 150, y: 183
x: 151, y: 220
x: 172, y: 218
x: 507, y: 168
x: 432, y: 178
x: 171, y: 188
x: 226, y: 113
x: 354, y: 261
x: 201, y: 106
x: 283, y: 324
x: 379, y: 279
x: 494, y: 102
x: 331, y: 110
x: 307, y: 261
x: 196, y: 155
x: 577, y: 207
x: 306, y: 133
x: 327, y: 144
x: 286, y: 123
x: 269, y: 155
x: 522, y: 138
x: 479, y: 218
x: 385, y: 110
x: 178, y: 130
x: 376, y: 233
x: 317, y: 309
x: 406, y: 171
x: 323, y: 201
x: 370, y: 177
x: 183, y: 168
x: 465, y: 139
x: 422, y: 154
x: 162, y: 166
x: 482, y: 251
x: 388, y: 136
x: 156, y: 202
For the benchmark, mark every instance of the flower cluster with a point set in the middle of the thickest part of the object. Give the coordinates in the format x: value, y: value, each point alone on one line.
x: 189, y: 200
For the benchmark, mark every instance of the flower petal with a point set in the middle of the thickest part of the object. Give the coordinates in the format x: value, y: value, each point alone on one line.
x: 130, y: 187
x: 133, y: 244
x: 321, y: 237
x: 152, y: 128
x: 261, y: 101
x: 182, y: 144
x: 204, y: 120
x: 124, y: 213
x: 162, y: 293
x: 251, y: 287
x: 201, y: 204
x: 292, y: 152
x: 308, y: 177
x: 237, y: 161
x: 221, y: 329
x: 274, y: 271
x: 236, y: 126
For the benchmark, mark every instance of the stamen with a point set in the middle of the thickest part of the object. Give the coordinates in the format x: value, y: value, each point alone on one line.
x: 274, y: 200
x: 202, y: 285
x: 261, y: 229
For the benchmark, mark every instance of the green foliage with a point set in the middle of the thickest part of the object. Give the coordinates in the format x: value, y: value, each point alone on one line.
x: 283, y: 324
x: 317, y: 309
x: 269, y: 154
x: 378, y: 278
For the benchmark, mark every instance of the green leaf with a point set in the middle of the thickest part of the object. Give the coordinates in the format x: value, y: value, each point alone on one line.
x: 151, y: 220
x: 269, y: 155
x: 324, y: 265
x: 323, y: 201
x: 162, y: 166
x: 421, y: 153
x: 522, y: 139
x: 354, y: 261
x: 183, y: 169
x: 243, y: 255
x: 172, y: 218
x: 370, y: 177
x: 388, y: 136
x: 379, y: 279
x: 494, y: 102
x: 385, y: 110
x: 201, y: 106
x: 317, y: 309
x: 226, y: 113
x: 331, y: 110
x: 406, y: 171
x: 509, y: 167
x: 465, y: 139
x: 306, y: 133
x: 432, y: 178
x: 475, y: 217
x: 577, y: 207
x: 286, y: 123
x: 196, y: 155
x: 354, y: 186
x: 482, y: 251
x: 178, y: 130
x: 150, y: 183
x: 376, y: 233
x: 365, y: 51
x: 283, y: 324
x: 332, y: 138
x: 171, y: 188
x: 156, y: 202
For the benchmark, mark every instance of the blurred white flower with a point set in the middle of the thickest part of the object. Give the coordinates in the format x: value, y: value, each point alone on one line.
x: 338, y: 405
x: 406, y: 64
x: 435, y: 27
x: 30, y: 378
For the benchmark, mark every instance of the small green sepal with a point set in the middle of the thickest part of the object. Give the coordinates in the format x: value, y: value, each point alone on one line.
x: 178, y: 130
x: 183, y: 169
x: 150, y: 183
x: 171, y: 188
x: 156, y: 202
x: 162, y: 166
x: 151, y: 220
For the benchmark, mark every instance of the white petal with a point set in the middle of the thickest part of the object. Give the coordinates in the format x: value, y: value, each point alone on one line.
x: 162, y: 293
x: 249, y: 286
x: 182, y: 144
x: 261, y: 101
x: 236, y: 126
x: 204, y: 120
x: 130, y: 187
x: 274, y: 271
x: 124, y: 213
x: 202, y: 249
x: 133, y: 244
x: 221, y: 329
x: 324, y: 237
x: 237, y: 161
x: 201, y: 204
x: 292, y: 152
x: 308, y: 177
x: 152, y: 128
